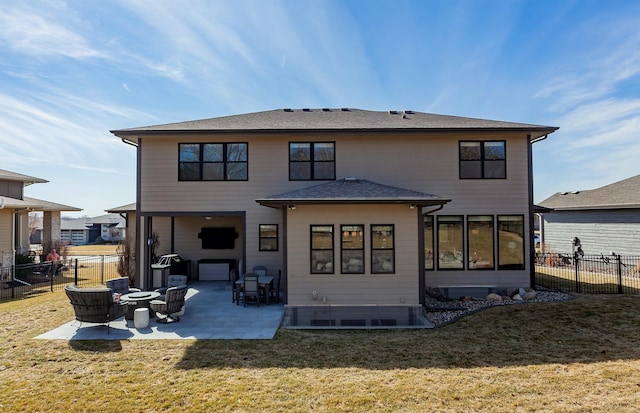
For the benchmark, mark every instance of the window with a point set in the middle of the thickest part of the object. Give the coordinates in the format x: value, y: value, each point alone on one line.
x: 483, y: 160
x: 428, y: 242
x: 322, y: 249
x: 212, y: 162
x: 382, y: 249
x: 480, y: 239
x: 510, y: 242
x: 268, y: 237
x: 450, y: 243
x: 352, y: 249
x: 312, y: 161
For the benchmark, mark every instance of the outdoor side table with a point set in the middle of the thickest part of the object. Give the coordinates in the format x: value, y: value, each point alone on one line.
x: 141, y: 318
x: 138, y: 300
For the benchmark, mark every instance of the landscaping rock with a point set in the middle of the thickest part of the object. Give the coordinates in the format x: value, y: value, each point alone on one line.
x: 494, y: 297
x: 530, y: 295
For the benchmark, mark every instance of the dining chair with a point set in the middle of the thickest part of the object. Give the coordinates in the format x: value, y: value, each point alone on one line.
x: 251, y: 288
x: 275, y: 290
x: 261, y: 270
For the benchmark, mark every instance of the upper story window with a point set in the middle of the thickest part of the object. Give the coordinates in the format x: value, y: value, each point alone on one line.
x: 312, y: 161
x: 213, y: 162
x: 483, y: 160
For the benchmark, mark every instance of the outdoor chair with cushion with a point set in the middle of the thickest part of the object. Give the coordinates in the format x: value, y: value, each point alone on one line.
x: 261, y: 270
x: 121, y: 286
x: 172, y: 281
x: 250, y: 288
x: 94, y: 305
x: 171, y: 305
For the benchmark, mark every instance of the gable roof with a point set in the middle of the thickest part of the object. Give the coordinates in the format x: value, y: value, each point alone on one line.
x: 25, y: 179
x: 332, y: 120
x: 124, y: 208
x: 36, y: 204
x: 621, y: 194
x: 352, y: 191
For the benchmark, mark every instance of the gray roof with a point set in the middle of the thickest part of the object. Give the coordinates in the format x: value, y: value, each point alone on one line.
x: 36, y: 204
x: 25, y: 179
x: 124, y: 208
x: 621, y: 194
x: 341, y: 119
x: 352, y: 191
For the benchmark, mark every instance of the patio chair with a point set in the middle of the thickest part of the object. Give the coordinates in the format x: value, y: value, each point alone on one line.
x: 250, y: 288
x: 171, y: 305
x: 172, y: 281
x: 121, y: 286
x: 261, y: 270
x: 94, y: 305
x: 275, y: 291
x: 235, y: 286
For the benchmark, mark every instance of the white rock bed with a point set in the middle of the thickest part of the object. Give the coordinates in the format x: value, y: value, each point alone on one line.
x: 444, y: 312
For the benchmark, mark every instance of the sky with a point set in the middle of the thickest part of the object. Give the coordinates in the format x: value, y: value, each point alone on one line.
x: 71, y: 71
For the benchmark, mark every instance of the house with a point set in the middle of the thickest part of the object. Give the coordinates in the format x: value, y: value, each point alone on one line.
x: 108, y: 228
x: 355, y: 207
x: 14, y: 216
x: 605, y: 219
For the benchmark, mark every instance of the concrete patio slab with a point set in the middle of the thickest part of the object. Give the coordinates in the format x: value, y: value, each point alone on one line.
x: 209, y: 314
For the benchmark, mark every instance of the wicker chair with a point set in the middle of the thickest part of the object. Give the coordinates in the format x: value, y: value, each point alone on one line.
x: 172, y: 304
x: 121, y: 286
x: 94, y: 305
x: 172, y: 281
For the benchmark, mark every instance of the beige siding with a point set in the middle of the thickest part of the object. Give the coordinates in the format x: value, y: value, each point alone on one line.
x: 427, y: 163
x: 398, y: 288
x: 6, y: 236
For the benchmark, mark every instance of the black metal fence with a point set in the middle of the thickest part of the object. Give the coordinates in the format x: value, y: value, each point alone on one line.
x: 596, y: 274
x: 26, y: 280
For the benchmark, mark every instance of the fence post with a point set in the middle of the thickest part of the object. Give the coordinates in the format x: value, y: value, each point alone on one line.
x: 75, y: 273
x: 619, y: 264
x: 576, y: 264
x: 102, y: 269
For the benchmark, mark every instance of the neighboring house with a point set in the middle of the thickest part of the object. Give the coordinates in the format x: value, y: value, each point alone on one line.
x: 360, y: 207
x: 83, y: 231
x: 605, y: 219
x: 128, y: 215
x: 14, y: 216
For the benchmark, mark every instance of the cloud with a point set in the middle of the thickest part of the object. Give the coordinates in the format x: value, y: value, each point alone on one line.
x: 30, y: 33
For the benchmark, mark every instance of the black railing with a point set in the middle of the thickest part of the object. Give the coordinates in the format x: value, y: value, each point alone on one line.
x: 26, y: 280
x: 596, y: 274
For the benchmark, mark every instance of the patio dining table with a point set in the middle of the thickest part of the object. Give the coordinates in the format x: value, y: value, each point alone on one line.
x: 264, y: 281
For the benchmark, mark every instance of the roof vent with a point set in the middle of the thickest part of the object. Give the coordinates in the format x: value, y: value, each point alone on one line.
x: 393, y: 112
x: 288, y: 110
x: 345, y: 109
x: 575, y: 192
x: 563, y: 193
x: 306, y: 110
x: 409, y: 112
x: 351, y: 179
x: 326, y: 110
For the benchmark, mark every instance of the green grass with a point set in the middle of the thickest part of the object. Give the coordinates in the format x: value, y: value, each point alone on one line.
x: 579, y: 355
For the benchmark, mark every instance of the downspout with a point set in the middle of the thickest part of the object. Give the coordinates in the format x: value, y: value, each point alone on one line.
x: 422, y: 282
x: 532, y: 265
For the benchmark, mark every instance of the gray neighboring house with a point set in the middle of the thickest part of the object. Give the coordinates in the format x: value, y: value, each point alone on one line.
x: 605, y: 219
x: 84, y: 231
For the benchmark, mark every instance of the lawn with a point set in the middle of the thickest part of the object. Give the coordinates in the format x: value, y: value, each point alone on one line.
x: 574, y: 356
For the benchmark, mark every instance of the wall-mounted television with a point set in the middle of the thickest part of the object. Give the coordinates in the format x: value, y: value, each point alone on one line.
x: 220, y: 238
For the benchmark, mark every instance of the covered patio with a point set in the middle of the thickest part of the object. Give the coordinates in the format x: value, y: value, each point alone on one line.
x: 209, y: 314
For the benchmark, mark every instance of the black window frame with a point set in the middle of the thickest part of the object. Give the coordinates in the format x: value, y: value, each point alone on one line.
x: 314, y: 265
x: 510, y: 267
x: 483, y: 161
x: 201, y: 162
x: 442, y: 220
x: 312, y: 161
x: 434, y: 248
x: 358, y: 229
x: 261, y: 237
x: 372, y: 233
x: 469, y: 236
